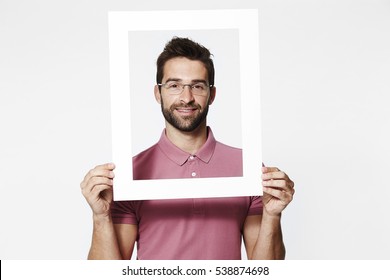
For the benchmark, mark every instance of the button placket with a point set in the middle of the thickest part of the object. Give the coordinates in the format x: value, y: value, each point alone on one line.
x: 193, y: 164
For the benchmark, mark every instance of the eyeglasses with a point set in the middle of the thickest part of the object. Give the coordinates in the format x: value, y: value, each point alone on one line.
x: 175, y: 88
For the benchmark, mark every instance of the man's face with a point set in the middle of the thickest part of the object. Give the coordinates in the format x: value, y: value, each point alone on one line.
x: 185, y: 111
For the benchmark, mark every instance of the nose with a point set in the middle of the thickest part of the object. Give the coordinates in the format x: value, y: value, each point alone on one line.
x: 186, y: 96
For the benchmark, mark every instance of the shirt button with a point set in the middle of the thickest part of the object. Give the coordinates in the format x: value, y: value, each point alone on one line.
x: 191, y: 157
x: 193, y: 174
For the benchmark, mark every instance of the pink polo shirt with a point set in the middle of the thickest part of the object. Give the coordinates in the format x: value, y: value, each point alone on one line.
x: 200, y: 228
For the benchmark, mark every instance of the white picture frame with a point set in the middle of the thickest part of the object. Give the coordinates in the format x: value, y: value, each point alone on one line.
x: 245, y: 22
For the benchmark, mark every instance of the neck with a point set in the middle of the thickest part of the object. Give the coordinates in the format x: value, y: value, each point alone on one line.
x: 189, y: 142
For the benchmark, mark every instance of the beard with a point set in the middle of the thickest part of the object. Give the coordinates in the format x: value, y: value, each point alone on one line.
x: 186, y: 123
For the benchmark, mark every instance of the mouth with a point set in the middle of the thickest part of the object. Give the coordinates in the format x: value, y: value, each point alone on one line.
x: 186, y: 111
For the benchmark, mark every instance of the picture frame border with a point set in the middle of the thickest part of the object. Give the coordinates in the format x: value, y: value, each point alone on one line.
x: 246, y: 21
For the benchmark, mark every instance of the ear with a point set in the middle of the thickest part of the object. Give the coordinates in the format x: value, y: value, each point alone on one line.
x: 213, y: 92
x: 157, y: 94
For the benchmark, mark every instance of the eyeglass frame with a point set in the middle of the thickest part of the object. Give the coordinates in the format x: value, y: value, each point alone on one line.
x: 184, y: 85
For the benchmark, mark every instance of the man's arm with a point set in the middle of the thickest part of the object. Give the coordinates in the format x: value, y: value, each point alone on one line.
x: 263, y: 238
x: 104, y: 244
x: 263, y: 233
x: 112, y: 241
x: 109, y: 241
x: 126, y: 236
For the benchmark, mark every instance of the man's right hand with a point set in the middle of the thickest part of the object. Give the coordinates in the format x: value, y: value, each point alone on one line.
x: 97, y: 189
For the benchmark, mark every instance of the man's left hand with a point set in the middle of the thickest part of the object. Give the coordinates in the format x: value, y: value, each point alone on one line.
x: 278, y: 190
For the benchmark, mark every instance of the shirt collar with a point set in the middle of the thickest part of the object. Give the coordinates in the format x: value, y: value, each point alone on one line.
x: 180, y: 157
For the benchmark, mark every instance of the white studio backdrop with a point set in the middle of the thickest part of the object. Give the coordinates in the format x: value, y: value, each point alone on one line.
x: 325, y: 120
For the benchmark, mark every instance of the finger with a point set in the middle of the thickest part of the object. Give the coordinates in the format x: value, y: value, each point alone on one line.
x: 275, y: 175
x: 105, y: 170
x: 94, y: 181
x: 98, y: 189
x: 266, y: 169
x: 109, y: 166
x: 97, y: 177
x: 281, y: 184
x: 281, y: 195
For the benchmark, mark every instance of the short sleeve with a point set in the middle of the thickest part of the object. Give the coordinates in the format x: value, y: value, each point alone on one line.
x: 256, y: 206
x: 124, y: 212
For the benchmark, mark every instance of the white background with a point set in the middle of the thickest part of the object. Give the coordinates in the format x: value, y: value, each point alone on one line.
x: 325, y: 68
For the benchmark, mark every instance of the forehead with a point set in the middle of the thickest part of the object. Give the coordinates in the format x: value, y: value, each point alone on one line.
x: 185, y: 69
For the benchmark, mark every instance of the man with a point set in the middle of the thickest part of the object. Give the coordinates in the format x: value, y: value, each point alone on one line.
x: 208, y: 228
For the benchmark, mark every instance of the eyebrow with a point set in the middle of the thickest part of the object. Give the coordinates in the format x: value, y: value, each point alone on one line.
x: 180, y: 80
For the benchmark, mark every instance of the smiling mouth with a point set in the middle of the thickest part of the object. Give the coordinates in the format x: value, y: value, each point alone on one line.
x: 186, y: 112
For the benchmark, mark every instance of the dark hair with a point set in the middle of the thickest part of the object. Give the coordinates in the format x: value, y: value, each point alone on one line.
x: 184, y: 47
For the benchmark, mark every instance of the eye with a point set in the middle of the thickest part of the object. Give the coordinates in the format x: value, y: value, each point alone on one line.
x: 199, y: 86
x: 172, y: 85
